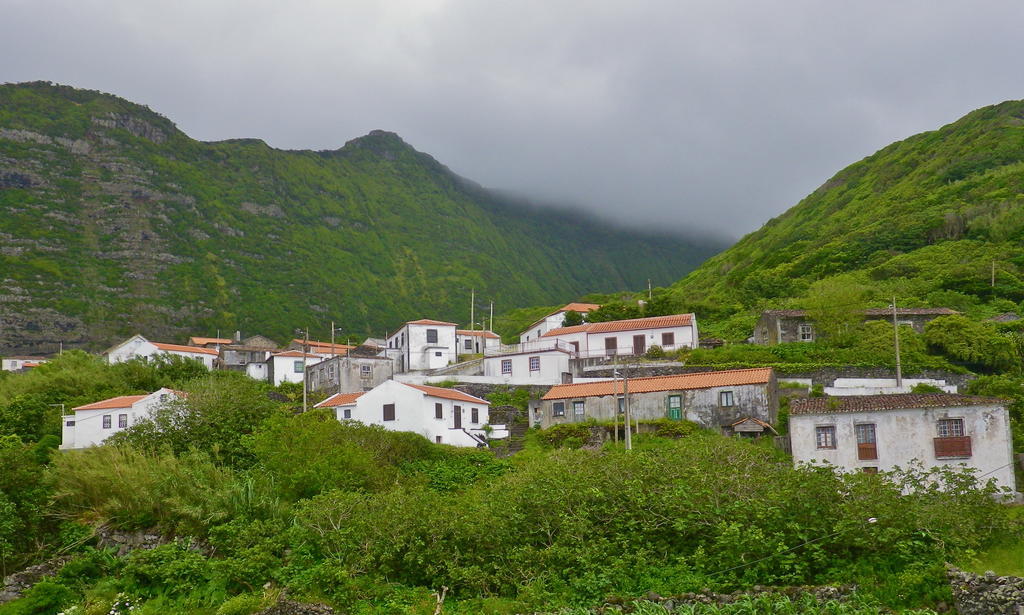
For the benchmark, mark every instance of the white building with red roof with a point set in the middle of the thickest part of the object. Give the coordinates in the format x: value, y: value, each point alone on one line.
x: 634, y: 336
x: 91, y: 424
x: 717, y: 400
x: 137, y: 347
x: 475, y: 342
x: 441, y: 415
x: 289, y: 366
x: 877, y: 433
x: 423, y: 344
x: 13, y: 364
x: 554, y: 320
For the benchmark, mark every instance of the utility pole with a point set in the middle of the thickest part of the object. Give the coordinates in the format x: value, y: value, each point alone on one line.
x: 896, y: 337
x: 649, y: 292
x: 993, y: 274
x: 615, y: 411
x: 491, y: 319
x: 472, y: 308
x: 625, y: 395
x: 305, y: 351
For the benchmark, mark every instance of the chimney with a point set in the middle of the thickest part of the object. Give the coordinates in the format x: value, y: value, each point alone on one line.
x: 238, y: 336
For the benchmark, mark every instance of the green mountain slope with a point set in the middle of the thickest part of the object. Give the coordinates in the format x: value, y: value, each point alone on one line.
x: 927, y: 219
x: 114, y: 221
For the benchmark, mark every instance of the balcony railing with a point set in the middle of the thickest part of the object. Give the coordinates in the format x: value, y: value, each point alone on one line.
x: 534, y: 346
x: 953, y: 447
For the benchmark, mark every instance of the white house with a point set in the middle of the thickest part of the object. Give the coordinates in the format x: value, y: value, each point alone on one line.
x: 544, y: 361
x: 629, y: 337
x: 422, y: 345
x: 91, y: 424
x: 287, y: 366
x: 343, y: 404
x: 554, y: 320
x: 444, y: 416
x: 475, y: 342
x: 875, y: 433
x: 13, y: 364
x: 139, y: 347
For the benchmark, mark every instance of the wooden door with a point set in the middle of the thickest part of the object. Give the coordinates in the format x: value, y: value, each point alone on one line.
x: 639, y: 344
x: 457, y: 415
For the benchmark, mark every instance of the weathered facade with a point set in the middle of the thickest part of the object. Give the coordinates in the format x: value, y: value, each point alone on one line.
x: 715, y: 400
x: 349, y: 373
x: 876, y: 433
x: 784, y: 326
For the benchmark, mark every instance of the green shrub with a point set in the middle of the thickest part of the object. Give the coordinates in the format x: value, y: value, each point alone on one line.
x: 242, y: 604
x: 44, y: 598
x: 924, y: 387
x: 168, y: 569
x: 567, y: 435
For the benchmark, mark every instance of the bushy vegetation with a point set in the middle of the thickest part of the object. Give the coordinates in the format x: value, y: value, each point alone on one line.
x: 358, y: 516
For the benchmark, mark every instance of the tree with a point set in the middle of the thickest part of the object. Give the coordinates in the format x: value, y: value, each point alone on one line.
x: 977, y: 343
x: 836, y: 306
x: 572, y: 318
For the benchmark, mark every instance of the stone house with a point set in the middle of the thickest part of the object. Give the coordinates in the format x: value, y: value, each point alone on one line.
x: 350, y: 373
x: 783, y: 326
x: 715, y: 400
x: 876, y: 433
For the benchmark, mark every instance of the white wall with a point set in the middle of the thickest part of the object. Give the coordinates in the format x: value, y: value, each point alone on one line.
x: 417, y: 354
x: 881, y: 386
x: 284, y: 368
x: 683, y: 337
x: 552, y: 364
x: 414, y: 411
x: 132, y: 348
x: 88, y: 429
x: 905, y: 435
x: 478, y: 343
x: 553, y: 321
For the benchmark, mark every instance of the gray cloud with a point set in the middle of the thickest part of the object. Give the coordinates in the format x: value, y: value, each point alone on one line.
x: 714, y: 115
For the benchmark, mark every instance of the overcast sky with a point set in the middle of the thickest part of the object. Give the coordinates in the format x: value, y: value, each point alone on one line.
x: 714, y: 115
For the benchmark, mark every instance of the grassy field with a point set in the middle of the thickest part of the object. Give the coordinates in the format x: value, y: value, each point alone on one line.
x: 1004, y: 559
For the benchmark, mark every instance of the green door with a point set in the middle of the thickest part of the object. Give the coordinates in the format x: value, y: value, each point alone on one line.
x: 675, y: 407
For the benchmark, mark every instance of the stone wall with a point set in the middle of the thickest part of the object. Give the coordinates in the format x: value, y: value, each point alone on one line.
x: 986, y: 594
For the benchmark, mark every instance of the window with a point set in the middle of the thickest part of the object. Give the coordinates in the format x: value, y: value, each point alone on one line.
x: 668, y: 339
x: 951, y: 428
x: 506, y: 367
x: 825, y: 436
x: 577, y: 409
x: 611, y: 344
x: 347, y: 413
x: 437, y: 439
x: 534, y: 364
x: 806, y: 333
x: 438, y: 411
x: 675, y: 407
x: 106, y: 421
x: 298, y: 367
x: 69, y: 423
x: 558, y: 408
x: 364, y: 371
x: 869, y: 469
x: 725, y: 399
x: 437, y: 354
x: 867, y: 448
x: 474, y: 415
x: 389, y: 412
x: 953, y: 442
x: 330, y: 371
x: 122, y: 421
x: 469, y: 344
x: 431, y: 336
x: 622, y: 404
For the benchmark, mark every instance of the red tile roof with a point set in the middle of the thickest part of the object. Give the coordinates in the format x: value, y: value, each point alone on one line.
x: 427, y: 321
x: 180, y: 348
x: 487, y: 334
x: 325, y: 347
x: 632, y: 324
x: 202, y: 341
x: 896, y: 401
x: 675, y: 382
x: 296, y: 354
x: 448, y: 393
x: 125, y: 401
x: 581, y: 308
x: 339, y: 399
